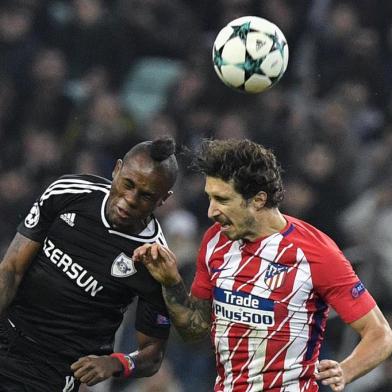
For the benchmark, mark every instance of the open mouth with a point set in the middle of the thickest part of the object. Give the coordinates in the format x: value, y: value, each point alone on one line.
x: 123, y: 214
x: 225, y: 226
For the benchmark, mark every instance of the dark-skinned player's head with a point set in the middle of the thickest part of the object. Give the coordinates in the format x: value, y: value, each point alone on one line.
x: 142, y: 181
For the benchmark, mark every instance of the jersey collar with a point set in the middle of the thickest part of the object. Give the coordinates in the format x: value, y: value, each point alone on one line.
x: 148, y: 234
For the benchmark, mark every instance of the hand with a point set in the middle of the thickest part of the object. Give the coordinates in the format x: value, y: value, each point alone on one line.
x: 160, y: 261
x: 92, y: 369
x: 331, y: 373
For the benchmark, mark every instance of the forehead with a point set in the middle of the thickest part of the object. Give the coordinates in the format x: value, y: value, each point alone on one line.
x: 142, y: 172
x: 217, y: 187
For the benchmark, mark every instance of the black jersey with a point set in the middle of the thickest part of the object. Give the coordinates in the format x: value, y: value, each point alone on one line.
x: 73, y: 296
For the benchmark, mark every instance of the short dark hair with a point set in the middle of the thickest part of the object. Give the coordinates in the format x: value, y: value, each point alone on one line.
x: 162, y: 151
x: 250, y: 166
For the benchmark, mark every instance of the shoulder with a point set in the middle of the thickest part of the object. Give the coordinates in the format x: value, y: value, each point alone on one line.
x: 80, y: 181
x: 72, y: 186
x: 87, y: 179
x: 211, y: 232
x: 310, y: 239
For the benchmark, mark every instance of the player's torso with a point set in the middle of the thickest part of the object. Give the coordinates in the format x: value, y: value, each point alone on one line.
x: 83, y: 277
x: 262, y: 315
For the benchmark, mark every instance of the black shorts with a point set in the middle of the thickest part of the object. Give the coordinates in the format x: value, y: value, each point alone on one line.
x: 25, y: 367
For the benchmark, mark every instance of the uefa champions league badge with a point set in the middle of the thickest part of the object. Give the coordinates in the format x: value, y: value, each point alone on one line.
x: 162, y: 320
x: 123, y: 266
x: 32, y: 217
x: 358, y: 289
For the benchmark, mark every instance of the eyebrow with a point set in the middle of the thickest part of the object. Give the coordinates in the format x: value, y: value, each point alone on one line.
x: 144, y: 192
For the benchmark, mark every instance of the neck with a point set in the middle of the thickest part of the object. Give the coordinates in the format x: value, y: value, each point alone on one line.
x: 270, y: 221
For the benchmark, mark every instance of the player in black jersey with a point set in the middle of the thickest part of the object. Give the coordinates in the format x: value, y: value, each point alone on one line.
x: 67, y: 277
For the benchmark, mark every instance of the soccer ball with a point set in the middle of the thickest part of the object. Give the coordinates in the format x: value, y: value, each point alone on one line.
x: 250, y: 54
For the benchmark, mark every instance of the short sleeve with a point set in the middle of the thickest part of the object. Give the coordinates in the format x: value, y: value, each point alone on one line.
x: 47, y: 207
x: 336, y: 282
x: 40, y: 217
x: 152, y: 320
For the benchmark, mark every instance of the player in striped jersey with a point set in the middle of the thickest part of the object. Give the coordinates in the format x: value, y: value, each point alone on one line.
x: 68, y: 277
x: 264, y: 283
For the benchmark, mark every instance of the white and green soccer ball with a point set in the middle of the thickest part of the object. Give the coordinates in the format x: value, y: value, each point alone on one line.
x: 250, y: 54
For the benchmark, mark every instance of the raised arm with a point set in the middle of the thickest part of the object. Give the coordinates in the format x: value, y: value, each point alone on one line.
x: 144, y: 362
x: 18, y: 257
x: 375, y: 346
x: 190, y: 315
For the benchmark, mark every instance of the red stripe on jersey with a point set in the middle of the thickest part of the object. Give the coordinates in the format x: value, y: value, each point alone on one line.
x: 269, y: 304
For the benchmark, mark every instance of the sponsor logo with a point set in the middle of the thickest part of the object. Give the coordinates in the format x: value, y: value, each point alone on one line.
x: 275, y: 275
x: 69, y: 218
x: 32, y: 218
x: 358, y: 289
x: 244, y: 308
x: 123, y: 266
x: 71, y: 269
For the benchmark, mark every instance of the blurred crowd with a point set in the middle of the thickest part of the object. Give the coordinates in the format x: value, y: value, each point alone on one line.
x: 81, y: 81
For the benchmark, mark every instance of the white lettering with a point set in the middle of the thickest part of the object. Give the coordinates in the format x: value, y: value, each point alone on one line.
x: 48, y: 246
x: 80, y: 277
x: 56, y: 254
x: 249, y: 316
x: 66, y: 261
x: 93, y: 288
x: 239, y: 300
x: 73, y: 270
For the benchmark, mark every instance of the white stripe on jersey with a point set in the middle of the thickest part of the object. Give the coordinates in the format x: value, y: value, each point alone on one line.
x: 298, y: 316
x: 261, y: 271
x: 75, y: 181
x: 257, y: 339
x: 231, y: 264
x: 232, y: 260
x: 72, y: 186
x: 211, y: 248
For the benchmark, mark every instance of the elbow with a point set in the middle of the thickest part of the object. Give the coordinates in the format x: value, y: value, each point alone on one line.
x: 154, y: 367
x: 388, y: 339
x: 384, y: 340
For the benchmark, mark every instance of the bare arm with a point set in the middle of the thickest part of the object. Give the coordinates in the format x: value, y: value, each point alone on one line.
x: 18, y: 257
x: 190, y: 315
x: 374, y: 347
x: 93, y: 369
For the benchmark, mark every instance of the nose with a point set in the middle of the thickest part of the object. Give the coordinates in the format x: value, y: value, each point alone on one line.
x: 213, y: 211
x: 130, y: 197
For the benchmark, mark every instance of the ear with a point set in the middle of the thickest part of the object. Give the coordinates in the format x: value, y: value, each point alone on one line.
x: 169, y: 193
x: 259, y: 200
x: 117, y: 168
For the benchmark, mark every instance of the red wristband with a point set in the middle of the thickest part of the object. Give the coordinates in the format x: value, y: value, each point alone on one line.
x: 127, y: 363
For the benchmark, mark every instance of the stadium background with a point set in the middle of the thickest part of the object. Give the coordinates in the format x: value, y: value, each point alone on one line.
x: 83, y: 80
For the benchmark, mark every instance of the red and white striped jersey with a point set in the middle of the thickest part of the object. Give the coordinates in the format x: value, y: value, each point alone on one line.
x: 270, y: 302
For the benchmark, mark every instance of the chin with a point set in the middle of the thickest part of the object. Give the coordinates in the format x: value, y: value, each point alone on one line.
x: 232, y: 236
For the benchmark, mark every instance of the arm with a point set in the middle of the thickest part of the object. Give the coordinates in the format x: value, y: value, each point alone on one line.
x: 190, y: 315
x: 374, y: 347
x: 147, y: 359
x: 13, y: 267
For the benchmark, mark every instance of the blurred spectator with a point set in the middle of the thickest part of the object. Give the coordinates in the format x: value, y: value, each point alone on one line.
x: 45, y: 103
x: 63, y: 72
x: 164, y: 381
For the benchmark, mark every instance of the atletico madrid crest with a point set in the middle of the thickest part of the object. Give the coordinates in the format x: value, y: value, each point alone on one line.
x: 275, y: 275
